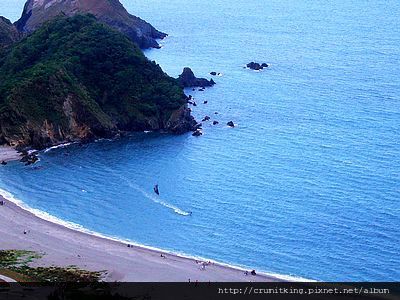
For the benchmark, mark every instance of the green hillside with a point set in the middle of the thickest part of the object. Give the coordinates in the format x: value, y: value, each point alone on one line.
x: 75, y: 78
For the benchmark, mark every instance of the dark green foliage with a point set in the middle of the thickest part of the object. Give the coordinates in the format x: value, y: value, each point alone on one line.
x: 15, y: 258
x: 58, y: 274
x: 109, y: 81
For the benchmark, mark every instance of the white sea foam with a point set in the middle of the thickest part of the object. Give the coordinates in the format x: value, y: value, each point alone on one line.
x: 76, y: 227
x: 58, y: 146
x: 157, y: 199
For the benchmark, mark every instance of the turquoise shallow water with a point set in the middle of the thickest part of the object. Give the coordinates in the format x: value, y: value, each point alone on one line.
x: 308, y: 183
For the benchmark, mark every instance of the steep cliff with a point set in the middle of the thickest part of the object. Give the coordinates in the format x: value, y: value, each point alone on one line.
x: 75, y: 78
x: 110, y: 12
x: 8, y: 33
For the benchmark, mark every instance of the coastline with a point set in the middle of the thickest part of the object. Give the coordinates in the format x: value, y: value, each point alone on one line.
x: 8, y: 153
x: 64, y: 246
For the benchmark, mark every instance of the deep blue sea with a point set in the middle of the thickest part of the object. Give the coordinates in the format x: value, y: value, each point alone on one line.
x: 307, y: 184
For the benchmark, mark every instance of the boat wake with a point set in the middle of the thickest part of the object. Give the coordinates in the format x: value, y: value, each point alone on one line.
x: 158, y: 200
x: 154, y: 198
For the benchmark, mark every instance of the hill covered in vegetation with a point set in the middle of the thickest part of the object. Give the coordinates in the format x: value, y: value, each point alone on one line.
x: 76, y: 79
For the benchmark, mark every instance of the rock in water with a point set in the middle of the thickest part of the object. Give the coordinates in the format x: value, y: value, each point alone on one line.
x: 231, y: 124
x: 110, y: 12
x: 214, y: 73
x: 215, y: 123
x: 197, y: 133
x: 187, y: 79
x: 256, y: 66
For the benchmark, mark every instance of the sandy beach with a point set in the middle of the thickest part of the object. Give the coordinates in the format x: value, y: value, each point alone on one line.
x: 62, y: 246
x: 8, y: 153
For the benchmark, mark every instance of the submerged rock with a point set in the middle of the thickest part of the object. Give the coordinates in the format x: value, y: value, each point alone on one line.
x: 187, y: 79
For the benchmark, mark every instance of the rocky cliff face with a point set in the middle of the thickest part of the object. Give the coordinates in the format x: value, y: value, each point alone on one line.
x: 110, y: 12
x: 8, y: 33
x: 76, y: 79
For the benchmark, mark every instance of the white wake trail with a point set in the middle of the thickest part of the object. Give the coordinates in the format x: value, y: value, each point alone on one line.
x: 154, y: 198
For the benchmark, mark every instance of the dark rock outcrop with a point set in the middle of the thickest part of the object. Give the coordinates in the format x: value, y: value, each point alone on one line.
x: 29, y: 158
x: 213, y: 73
x: 256, y: 66
x: 197, y: 133
x: 206, y: 118
x: 187, y: 79
x: 110, y: 12
x: 181, y: 121
x: 8, y: 33
x: 215, y: 123
x: 231, y: 124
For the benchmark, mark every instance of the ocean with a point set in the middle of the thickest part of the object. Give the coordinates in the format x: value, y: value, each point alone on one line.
x: 306, y: 185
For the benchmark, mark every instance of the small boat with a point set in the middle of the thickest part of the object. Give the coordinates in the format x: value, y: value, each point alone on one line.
x: 156, y: 190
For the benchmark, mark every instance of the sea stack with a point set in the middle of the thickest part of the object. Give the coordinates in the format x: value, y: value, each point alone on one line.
x: 187, y: 79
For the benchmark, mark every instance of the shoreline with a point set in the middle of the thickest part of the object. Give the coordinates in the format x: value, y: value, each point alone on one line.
x: 8, y: 154
x: 64, y: 246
